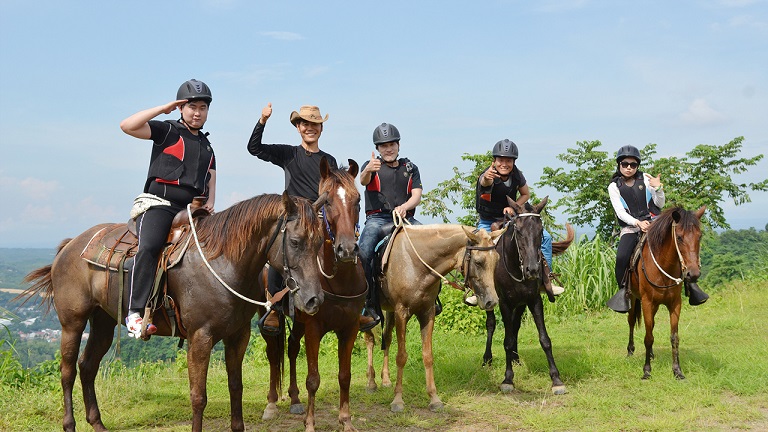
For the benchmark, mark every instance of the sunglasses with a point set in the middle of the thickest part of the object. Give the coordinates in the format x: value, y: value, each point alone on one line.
x: 632, y: 165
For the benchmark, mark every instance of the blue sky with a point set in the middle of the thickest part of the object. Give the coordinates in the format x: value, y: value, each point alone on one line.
x: 454, y: 77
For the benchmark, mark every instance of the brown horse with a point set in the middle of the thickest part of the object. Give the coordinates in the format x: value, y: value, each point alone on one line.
x: 518, y: 280
x: 669, y: 257
x: 237, y: 243
x: 420, y: 258
x: 344, y: 287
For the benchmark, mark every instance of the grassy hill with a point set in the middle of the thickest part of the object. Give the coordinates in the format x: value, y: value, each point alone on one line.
x: 723, y: 353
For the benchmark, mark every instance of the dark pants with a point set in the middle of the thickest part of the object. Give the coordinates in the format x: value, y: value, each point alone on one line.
x: 627, y: 244
x: 152, y: 229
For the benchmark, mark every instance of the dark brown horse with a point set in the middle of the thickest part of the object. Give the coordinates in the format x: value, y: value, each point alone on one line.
x: 669, y: 257
x: 344, y: 287
x: 420, y: 257
x: 237, y: 243
x: 518, y: 284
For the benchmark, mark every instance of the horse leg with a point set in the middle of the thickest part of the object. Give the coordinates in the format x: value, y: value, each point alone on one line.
x: 234, y: 351
x: 632, y: 319
x: 386, y: 342
x: 294, y: 346
x: 370, y: 373
x: 649, y: 315
x: 275, y: 356
x: 512, y: 319
x: 401, y: 323
x: 312, y: 348
x: 427, y: 326
x: 346, y: 345
x: 200, y: 345
x: 99, y: 341
x: 490, y: 329
x: 674, y: 319
x: 71, y: 333
x: 537, y: 310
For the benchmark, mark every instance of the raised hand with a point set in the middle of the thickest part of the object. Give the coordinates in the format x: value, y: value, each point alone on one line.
x: 266, y: 113
x: 374, y: 165
x: 654, y: 182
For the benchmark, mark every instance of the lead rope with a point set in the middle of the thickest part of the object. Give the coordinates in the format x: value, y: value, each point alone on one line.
x: 679, y: 256
x: 399, y: 222
x: 268, y: 304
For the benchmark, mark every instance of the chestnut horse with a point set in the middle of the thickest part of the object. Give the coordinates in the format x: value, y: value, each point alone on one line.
x: 518, y: 278
x: 669, y: 257
x: 237, y: 243
x: 344, y: 287
x: 420, y: 257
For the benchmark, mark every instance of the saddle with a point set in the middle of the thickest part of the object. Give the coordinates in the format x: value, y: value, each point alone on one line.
x: 634, y: 259
x: 112, y: 248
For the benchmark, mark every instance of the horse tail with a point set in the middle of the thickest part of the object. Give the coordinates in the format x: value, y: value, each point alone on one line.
x: 638, y: 313
x: 280, y: 347
x: 560, y: 246
x: 42, y: 284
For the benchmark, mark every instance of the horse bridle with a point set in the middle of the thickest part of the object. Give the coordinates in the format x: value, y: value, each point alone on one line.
x: 511, y: 220
x: 332, y: 239
x: 683, y: 267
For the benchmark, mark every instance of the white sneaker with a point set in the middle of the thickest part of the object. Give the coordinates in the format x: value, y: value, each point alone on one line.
x: 557, y: 290
x: 471, y: 300
x: 133, y: 323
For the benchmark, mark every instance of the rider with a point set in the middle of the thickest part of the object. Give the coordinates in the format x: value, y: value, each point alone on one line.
x: 391, y: 184
x: 182, y: 166
x: 501, y: 180
x: 636, y: 198
x: 301, y: 165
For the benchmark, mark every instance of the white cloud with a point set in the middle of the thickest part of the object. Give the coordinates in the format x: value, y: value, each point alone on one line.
x: 283, y: 35
x: 747, y: 21
x: 38, y: 189
x: 699, y: 113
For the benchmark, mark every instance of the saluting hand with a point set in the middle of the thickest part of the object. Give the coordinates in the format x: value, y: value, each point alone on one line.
x: 266, y: 113
x: 374, y: 165
x: 171, y: 106
x: 654, y: 182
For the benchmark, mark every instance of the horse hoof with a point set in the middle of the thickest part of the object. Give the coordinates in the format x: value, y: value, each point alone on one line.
x: 297, y: 408
x: 371, y: 389
x: 507, y: 388
x: 559, y: 390
x: 396, y: 407
x: 680, y: 376
x: 436, y: 406
x: 270, y: 412
x: 646, y: 376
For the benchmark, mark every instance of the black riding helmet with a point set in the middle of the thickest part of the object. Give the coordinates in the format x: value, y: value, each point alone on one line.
x: 628, y: 151
x: 505, y: 148
x: 194, y: 90
x: 385, y: 133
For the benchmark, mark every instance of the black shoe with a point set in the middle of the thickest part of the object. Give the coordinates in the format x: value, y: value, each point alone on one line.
x: 438, y: 306
x: 269, y: 324
x: 369, y: 319
x: 619, y: 302
x: 695, y: 294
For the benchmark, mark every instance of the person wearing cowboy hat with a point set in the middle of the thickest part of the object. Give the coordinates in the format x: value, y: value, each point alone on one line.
x: 301, y: 164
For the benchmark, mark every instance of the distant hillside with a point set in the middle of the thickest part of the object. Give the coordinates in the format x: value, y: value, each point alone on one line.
x: 16, y: 263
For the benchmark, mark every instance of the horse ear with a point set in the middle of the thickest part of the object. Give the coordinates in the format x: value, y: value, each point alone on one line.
x: 515, y: 206
x: 324, y: 167
x: 498, y: 233
x: 676, y: 216
x: 473, y: 236
x: 540, y: 206
x: 320, y: 201
x: 700, y: 212
x: 288, y: 204
x: 353, y: 168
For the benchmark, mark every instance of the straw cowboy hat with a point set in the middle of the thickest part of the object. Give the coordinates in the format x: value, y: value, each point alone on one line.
x: 309, y: 113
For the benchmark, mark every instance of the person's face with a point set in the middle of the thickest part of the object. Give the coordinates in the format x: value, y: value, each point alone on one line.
x: 503, y: 165
x: 310, y: 132
x: 195, y: 113
x: 628, y: 166
x: 389, y: 151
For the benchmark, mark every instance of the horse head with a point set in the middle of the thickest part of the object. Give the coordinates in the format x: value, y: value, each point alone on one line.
x: 480, y: 261
x: 294, y: 257
x: 340, y: 209
x: 525, y: 228
x: 688, y: 237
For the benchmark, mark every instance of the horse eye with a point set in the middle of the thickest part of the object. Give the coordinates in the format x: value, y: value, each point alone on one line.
x: 295, y: 243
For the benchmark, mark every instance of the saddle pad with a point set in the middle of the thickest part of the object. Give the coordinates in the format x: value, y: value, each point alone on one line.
x: 388, y: 248
x: 112, y: 244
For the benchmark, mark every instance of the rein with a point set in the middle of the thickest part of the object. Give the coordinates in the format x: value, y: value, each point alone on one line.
x: 683, y: 267
x: 282, y: 222
x: 517, y: 245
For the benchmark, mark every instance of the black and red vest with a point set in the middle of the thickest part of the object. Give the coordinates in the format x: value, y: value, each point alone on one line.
x: 490, y: 201
x: 391, y: 187
x: 181, y: 159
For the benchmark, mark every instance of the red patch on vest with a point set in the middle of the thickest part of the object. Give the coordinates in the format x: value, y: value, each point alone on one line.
x: 176, y: 150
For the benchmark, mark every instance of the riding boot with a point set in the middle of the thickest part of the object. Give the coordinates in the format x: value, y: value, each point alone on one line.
x: 369, y: 318
x: 620, y: 301
x: 545, y: 279
x: 696, y: 295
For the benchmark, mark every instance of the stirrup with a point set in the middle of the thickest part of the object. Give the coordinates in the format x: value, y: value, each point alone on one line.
x: 369, y: 319
x: 619, y: 302
x: 696, y: 295
x: 133, y: 323
x: 269, y: 330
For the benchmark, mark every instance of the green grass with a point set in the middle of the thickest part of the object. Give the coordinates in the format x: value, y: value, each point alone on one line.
x: 723, y: 353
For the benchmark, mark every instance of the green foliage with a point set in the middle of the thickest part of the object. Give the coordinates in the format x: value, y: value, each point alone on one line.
x: 734, y: 255
x: 457, y: 317
x: 460, y: 189
x: 703, y: 177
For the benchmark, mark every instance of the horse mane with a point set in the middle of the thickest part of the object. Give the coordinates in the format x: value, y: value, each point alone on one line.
x: 230, y: 231
x: 338, y: 176
x: 661, y: 227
